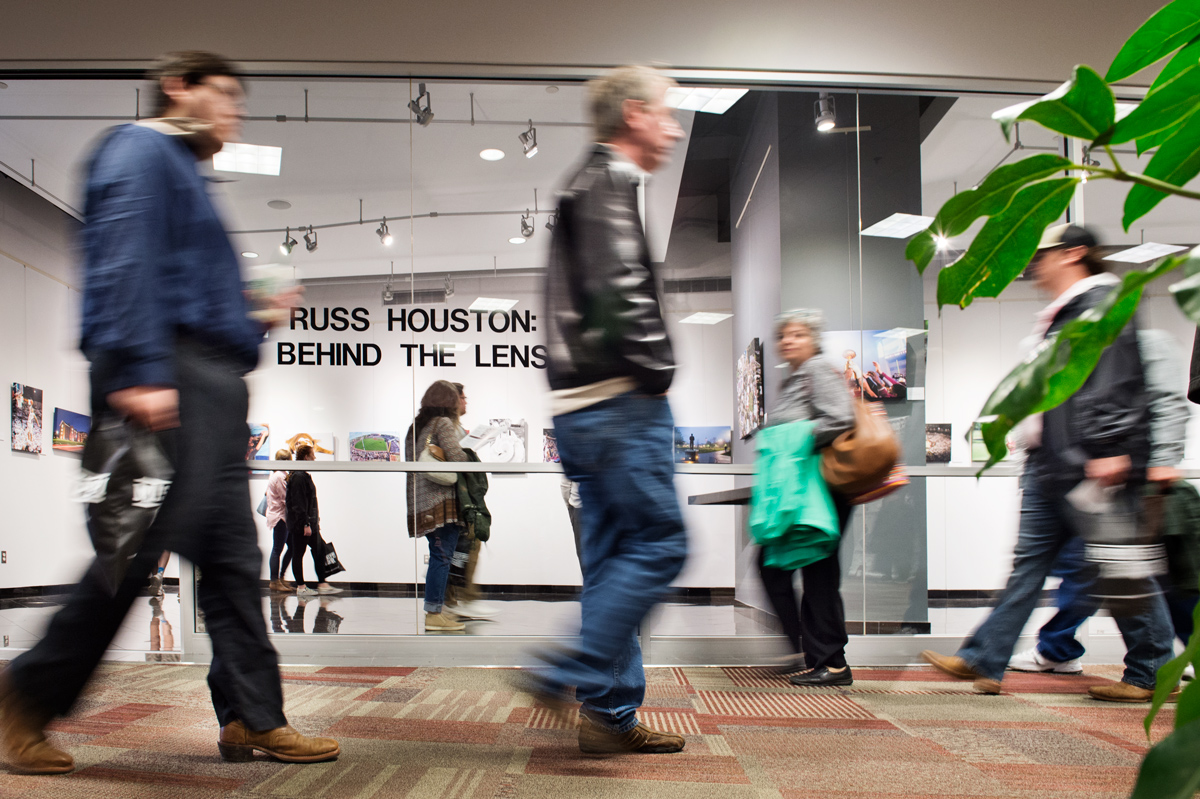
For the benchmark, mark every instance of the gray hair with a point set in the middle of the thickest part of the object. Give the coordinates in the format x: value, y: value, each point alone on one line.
x: 608, y: 93
x: 811, y: 318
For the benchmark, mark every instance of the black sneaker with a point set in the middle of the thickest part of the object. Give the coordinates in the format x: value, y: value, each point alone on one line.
x: 822, y: 678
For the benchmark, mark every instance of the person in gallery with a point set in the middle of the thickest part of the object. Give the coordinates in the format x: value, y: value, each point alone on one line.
x: 1101, y: 434
x: 465, y: 601
x: 812, y: 391
x: 167, y: 330
x: 433, y: 507
x: 610, y: 365
x: 303, y: 524
x: 281, y: 547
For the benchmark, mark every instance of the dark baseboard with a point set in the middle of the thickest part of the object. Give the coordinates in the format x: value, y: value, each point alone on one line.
x: 940, y: 598
x: 55, y: 590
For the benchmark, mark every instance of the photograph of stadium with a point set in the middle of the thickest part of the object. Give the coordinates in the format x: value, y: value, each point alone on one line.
x: 26, y: 419
x: 70, y: 430
x: 376, y: 446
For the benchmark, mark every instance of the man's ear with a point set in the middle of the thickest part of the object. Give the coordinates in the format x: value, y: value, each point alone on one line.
x: 175, y: 89
x: 631, y: 111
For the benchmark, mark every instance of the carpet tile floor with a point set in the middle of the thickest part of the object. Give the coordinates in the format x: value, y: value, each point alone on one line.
x: 147, y: 730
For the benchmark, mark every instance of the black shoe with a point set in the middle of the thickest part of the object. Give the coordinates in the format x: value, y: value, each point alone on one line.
x: 822, y: 678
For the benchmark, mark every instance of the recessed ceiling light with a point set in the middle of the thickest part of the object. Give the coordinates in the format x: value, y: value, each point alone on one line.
x: 1144, y: 252
x: 4, y: 85
x: 491, y: 154
x: 517, y: 240
x: 491, y: 304
x: 279, y: 205
x: 706, y: 100
x: 899, y: 226
x: 705, y: 318
x: 248, y: 254
x: 253, y: 159
x: 551, y: 89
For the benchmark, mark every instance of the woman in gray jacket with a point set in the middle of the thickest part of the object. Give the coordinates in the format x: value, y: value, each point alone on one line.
x: 813, y: 391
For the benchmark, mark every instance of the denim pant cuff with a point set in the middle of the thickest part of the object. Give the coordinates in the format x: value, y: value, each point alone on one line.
x: 605, y: 720
x: 433, y: 608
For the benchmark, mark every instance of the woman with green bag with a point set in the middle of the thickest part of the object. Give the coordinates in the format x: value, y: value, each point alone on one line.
x: 794, y: 517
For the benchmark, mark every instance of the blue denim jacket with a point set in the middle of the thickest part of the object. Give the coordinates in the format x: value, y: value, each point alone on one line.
x: 158, y: 264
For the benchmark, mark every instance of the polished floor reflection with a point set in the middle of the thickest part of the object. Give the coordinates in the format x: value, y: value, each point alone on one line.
x: 149, y: 632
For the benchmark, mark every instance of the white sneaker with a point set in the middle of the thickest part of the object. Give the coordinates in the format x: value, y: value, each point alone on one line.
x: 1032, y: 660
x: 479, y: 611
x: 1189, y: 673
x: 304, y: 590
x: 328, y: 589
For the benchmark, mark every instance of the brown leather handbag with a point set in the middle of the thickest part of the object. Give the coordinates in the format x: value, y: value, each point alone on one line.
x: 861, y: 459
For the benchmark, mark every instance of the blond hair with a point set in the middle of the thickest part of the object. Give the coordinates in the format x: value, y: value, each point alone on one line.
x: 608, y: 93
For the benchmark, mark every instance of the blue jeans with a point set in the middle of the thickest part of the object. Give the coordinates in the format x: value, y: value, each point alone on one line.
x: 633, y: 541
x: 1044, y: 531
x: 442, y: 543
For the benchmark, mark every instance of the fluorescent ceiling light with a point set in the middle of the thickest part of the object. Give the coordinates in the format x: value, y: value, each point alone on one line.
x: 517, y: 240
x: 248, y: 254
x: 452, y: 346
x: 899, y: 226
x: 491, y: 304
x: 705, y: 318
x: 706, y: 100
x: 252, y: 159
x: 491, y: 154
x: 1145, y: 252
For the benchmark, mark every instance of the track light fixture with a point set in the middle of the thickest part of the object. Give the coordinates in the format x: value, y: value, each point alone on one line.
x: 384, y: 234
x: 826, y: 113
x: 527, y: 224
x: 528, y: 141
x: 310, y: 239
x: 552, y: 221
x: 424, y: 115
x: 288, y: 242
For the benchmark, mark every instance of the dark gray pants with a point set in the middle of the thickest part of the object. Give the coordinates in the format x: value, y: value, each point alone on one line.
x: 205, y: 518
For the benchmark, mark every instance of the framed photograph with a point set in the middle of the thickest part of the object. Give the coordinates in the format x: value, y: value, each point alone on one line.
x: 323, y: 444
x: 375, y: 446
x: 937, y: 443
x: 70, y: 430
x: 873, y: 362
x: 750, y: 401
x: 26, y: 419
x: 549, y: 446
x: 703, y: 445
x: 979, y: 451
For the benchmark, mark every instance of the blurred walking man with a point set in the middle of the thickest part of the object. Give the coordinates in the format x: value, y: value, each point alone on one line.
x: 1102, y: 434
x: 610, y: 366
x: 165, y: 327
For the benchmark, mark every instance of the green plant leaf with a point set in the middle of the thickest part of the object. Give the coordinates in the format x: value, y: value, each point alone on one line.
x: 1176, y: 162
x: 1171, y: 27
x: 1005, y: 244
x: 1188, y: 708
x: 1060, y: 365
x: 1173, y: 97
x: 1147, y: 143
x: 987, y: 199
x: 1171, y: 769
x: 1187, y: 291
x: 1082, y: 107
x: 1170, y: 673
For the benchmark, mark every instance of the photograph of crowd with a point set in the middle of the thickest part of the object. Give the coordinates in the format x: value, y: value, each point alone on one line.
x: 872, y: 361
x: 750, y: 390
x: 937, y: 443
x: 70, y: 430
x: 26, y: 419
x: 376, y: 447
x: 703, y: 445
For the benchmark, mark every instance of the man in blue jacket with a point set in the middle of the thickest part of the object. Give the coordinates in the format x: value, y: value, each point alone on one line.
x: 166, y: 330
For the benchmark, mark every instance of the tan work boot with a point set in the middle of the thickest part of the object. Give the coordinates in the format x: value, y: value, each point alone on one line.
x: 1124, y: 692
x: 23, y: 741
x: 595, y: 740
x: 278, y: 586
x: 950, y: 664
x: 237, y: 745
x: 444, y: 622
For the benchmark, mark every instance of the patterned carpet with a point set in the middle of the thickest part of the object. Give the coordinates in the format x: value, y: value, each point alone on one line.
x: 148, y: 731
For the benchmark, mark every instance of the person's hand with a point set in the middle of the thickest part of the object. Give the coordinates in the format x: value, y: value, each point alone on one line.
x: 153, y: 407
x: 1162, y: 474
x: 307, y: 530
x: 1108, y: 471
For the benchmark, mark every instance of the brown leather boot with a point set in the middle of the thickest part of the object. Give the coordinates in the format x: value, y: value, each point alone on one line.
x: 595, y: 740
x: 950, y: 664
x: 1125, y: 692
x: 237, y: 745
x: 23, y: 739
